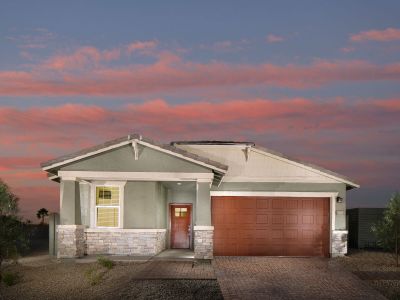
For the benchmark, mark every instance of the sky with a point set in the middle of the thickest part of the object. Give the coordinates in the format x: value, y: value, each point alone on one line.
x: 315, y: 80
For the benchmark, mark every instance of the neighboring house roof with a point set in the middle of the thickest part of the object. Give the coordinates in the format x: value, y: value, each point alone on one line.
x: 219, y: 168
x: 335, y: 175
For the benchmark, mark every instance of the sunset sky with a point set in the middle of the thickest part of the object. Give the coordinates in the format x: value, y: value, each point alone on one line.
x: 316, y: 80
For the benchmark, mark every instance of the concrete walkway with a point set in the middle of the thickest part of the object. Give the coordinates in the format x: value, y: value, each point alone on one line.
x: 288, y: 278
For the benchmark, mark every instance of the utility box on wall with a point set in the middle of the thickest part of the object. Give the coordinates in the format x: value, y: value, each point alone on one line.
x: 360, y: 221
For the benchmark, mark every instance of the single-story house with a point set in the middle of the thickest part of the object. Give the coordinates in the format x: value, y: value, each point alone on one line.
x: 134, y: 196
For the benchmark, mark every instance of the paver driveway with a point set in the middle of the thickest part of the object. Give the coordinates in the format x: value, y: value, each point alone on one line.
x: 288, y: 278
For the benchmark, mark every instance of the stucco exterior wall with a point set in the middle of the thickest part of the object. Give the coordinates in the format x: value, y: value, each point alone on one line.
x: 255, y: 165
x: 122, y: 160
x: 145, y: 205
x: 70, y: 212
x: 84, y: 195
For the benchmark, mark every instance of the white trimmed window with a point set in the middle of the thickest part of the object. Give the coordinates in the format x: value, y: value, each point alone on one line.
x: 108, y: 200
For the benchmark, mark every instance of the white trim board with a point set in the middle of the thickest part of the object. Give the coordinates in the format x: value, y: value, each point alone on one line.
x: 274, y: 194
x: 288, y: 179
x: 137, y: 176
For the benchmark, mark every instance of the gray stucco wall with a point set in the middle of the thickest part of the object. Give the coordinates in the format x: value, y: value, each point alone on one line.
x: 340, y: 218
x: 70, y: 212
x: 84, y: 195
x: 144, y: 205
x: 122, y: 160
x: 203, y: 201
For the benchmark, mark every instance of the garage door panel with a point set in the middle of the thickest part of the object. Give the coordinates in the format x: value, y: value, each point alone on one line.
x: 290, y: 235
x: 292, y: 204
x: 262, y: 219
x: 263, y: 203
x: 245, y: 219
x: 249, y: 204
x: 307, y: 204
x: 291, y: 219
x: 271, y: 226
x: 307, y: 219
x: 322, y: 220
x: 278, y: 219
x: 278, y: 203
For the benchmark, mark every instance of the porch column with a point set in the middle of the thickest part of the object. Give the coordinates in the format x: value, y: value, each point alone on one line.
x: 203, y: 231
x: 71, y: 236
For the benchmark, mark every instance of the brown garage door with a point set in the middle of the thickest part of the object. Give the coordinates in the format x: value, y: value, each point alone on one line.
x: 276, y: 226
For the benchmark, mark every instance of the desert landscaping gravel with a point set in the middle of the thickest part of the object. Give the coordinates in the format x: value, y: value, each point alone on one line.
x: 375, y: 267
x: 69, y: 280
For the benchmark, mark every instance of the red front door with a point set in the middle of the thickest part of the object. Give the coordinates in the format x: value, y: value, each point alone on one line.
x: 180, y: 226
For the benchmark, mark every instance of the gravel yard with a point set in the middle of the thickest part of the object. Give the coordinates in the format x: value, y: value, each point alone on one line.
x: 376, y: 268
x: 70, y: 280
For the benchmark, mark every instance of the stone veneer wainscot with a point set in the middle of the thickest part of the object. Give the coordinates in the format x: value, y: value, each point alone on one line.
x: 203, y: 242
x: 71, y: 241
x: 124, y: 241
x: 339, y: 243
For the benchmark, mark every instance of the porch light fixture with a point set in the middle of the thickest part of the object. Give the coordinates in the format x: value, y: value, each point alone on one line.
x: 179, y: 183
x: 339, y: 199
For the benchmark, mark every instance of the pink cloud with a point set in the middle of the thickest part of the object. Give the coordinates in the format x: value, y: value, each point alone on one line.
x: 169, y: 73
x: 141, y: 46
x: 272, y: 38
x: 386, y: 35
x: 15, y: 162
x: 261, y: 115
x: 356, y: 138
x: 82, y: 57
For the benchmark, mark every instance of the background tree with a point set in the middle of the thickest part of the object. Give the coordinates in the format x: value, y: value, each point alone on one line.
x: 387, y: 231
x: 8, y: 201
x: 12, y: 234
x: 41, y: 213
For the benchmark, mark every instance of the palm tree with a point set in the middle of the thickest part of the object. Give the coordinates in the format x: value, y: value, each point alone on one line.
x: 41, y: 213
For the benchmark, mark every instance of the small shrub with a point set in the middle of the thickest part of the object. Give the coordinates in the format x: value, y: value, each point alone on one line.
x: 94, y: 276
x: 10, y: 278
x: 105, y: 262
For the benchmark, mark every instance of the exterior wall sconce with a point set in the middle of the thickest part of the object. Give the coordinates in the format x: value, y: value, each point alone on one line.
x: 339, y: 199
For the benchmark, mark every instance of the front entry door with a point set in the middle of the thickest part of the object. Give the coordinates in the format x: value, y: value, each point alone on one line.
x: 180, y: 226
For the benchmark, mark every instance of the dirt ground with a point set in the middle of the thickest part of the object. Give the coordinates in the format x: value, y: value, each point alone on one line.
x: 70, y: 280
x: 376, y: 268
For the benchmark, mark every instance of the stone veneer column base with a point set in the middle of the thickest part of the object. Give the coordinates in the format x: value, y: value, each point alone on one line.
x: 71, y: 241
x: 203, y: 242
x: 141, y: 242
x: 339, y: 243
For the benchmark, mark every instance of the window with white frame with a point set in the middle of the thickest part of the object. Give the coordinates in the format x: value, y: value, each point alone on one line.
x: 107, y: 206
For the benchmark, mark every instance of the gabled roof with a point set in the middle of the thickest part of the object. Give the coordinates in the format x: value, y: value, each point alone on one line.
x: 126, y: 140
x: 350, y: 183
x: 322, y: 170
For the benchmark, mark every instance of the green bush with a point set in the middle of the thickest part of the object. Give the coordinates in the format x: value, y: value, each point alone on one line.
x: 105, y: 262
x: 10, y: 278
x: 94, y: 275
